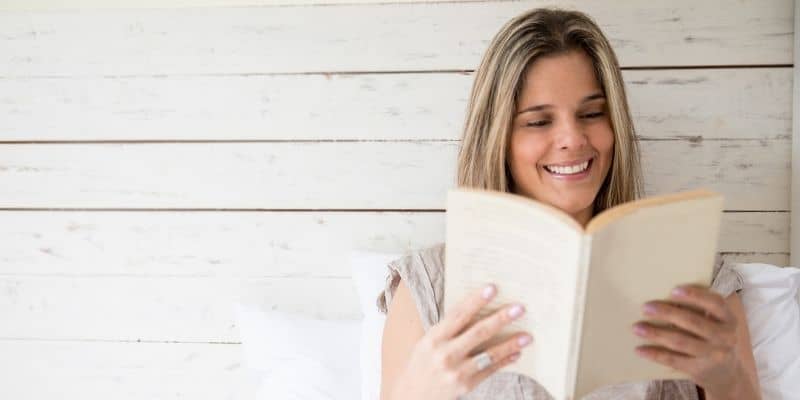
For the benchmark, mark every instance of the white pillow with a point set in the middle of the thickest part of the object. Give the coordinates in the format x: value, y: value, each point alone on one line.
x: 369, y: 275
x: 770, y: 298
x: 300, y: 357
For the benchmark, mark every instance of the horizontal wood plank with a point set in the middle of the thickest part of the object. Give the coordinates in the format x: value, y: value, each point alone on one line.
x: 48, y: 5
x: 777, y: 259
x: 159, y: 309
x: 390, y: 37
x: 179, y: 309
x: 123, y: 371
x: 746, y: 103
x: 257, y: 244
x: 753, y: 175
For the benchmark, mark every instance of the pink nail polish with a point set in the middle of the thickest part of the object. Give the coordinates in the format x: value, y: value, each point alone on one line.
x: 679, y: 292
x: 515, y: 311
x: 488, y: 292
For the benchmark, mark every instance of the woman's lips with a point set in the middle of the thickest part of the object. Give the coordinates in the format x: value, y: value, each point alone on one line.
x: 572, y: 177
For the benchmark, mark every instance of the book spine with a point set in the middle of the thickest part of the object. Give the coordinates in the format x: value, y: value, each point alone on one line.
x: 584, y: 259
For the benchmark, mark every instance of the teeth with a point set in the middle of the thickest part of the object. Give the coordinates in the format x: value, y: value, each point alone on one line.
x: 568, y: 170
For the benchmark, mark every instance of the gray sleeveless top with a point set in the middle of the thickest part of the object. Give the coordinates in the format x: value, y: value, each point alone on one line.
x: 423, y: 273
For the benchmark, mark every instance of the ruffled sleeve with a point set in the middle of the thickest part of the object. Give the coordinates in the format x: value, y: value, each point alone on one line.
x: 726, y: 279
x: 422, y: 271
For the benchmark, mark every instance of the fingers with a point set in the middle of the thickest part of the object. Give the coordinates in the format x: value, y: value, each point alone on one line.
x: 702, y: 298
x: 498, y: 352
x: 684, y: 318
x: 480, y: 376
x: 666, y: 357
x: 672, y: 339
x: 463, y: 313
x: 485, y: 329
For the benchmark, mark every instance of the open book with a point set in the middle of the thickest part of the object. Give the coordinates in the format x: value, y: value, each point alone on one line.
x: 583, y: 289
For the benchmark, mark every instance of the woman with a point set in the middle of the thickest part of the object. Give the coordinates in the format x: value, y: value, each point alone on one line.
x: 548, y: 119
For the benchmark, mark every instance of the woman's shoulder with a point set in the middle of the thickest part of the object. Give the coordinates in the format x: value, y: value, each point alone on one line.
x: 726, y: 278
x: 422, y: 271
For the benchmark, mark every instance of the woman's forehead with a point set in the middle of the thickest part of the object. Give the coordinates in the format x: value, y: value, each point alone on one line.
x: 566, y: 78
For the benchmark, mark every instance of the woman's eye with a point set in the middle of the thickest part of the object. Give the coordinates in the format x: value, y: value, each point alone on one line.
x: 593, y: 115
x: 538, y: 123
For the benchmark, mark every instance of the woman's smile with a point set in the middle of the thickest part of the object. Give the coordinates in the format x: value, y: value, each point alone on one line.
x: 570, y: 171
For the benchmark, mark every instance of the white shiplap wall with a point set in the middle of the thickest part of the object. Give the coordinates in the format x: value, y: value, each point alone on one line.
x: 157, y: 165
x: 794, y: 248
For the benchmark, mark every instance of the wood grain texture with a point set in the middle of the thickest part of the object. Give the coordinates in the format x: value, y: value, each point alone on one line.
x: 745, y: 103
x: 123, y: 371
x: 159, y: 309
x: 48, y: 5
x: 78, y: 289
x: 241, y: 245
x: 795, y: 224
x: 777, y: 259
x: 753, y: 175
x: 402, y: 37
x: 177, y: 309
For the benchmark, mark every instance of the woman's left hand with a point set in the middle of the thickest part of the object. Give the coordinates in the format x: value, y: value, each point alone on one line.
x: 695, y: 331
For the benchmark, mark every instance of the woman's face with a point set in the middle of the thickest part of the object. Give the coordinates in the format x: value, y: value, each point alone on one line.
x: 561, y: 140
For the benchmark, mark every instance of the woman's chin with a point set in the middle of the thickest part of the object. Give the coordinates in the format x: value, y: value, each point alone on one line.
x: 573, y: 208
x: 572, y: 203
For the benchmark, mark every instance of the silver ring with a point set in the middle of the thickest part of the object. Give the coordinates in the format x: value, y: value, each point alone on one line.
x: 483, y: 360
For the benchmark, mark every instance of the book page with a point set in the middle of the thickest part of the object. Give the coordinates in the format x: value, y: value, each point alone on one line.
x: 637, y: 258
x: 532, y: 256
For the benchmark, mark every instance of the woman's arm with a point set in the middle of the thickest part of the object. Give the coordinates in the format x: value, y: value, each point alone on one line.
x: 402, y: 330
x: 743, y: 347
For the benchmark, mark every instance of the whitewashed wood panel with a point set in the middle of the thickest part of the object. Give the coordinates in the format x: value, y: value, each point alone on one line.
x: 157, y: 308
x: 778, y: 259
x: 746, y: 172
x: 36, y: 370
x: 46, y: 5
x: 746, y: 103
x: 754, y: 175
x: 174, y: 309
x: 391, y: 37
x: 711, y: 103
x: 257, y: 244
x: 795, y: 195
x: 178, y: 309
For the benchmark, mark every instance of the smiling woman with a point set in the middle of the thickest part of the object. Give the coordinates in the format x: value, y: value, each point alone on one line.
x: 538, y: 89
x: 548, y: 119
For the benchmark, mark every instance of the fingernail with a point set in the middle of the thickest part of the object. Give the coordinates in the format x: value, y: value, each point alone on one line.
x: 515, y: 311
x: 514, y: 357
x: 488, y: 292
x: 639, y: 330
x: 524, y: 340
x: 679, y: 292
x: 649, y: 309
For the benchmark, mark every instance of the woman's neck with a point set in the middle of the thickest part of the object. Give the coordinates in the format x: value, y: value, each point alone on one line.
x: 583, y: 216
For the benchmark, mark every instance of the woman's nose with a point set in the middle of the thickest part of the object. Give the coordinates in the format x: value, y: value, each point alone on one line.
x: 571, y: 136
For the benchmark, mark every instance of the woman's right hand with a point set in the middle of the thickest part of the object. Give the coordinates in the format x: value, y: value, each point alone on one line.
x: 441, y: 366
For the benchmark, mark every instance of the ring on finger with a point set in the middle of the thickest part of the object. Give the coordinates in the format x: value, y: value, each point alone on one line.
x: 482, y: 360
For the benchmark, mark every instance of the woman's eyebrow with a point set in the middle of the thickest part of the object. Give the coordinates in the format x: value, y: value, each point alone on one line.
x: 540, y: 107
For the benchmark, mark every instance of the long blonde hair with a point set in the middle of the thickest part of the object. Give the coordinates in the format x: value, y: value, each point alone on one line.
x: 498, y: 83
